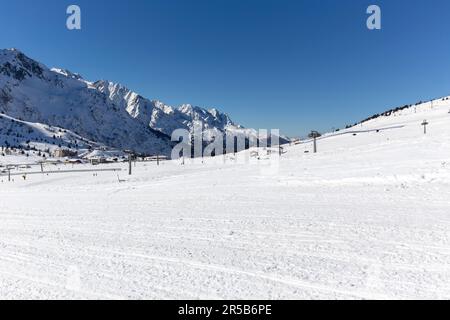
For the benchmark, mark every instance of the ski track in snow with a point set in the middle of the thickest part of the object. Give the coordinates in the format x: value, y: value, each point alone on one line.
x: 368, y: 217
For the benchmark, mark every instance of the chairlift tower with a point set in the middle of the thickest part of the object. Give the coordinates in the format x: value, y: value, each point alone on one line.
x: 424, y: 124
x: 130, y: 159
x: 315, y: 135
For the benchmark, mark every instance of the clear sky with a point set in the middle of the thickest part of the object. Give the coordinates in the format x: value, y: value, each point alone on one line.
x: 296, y: 65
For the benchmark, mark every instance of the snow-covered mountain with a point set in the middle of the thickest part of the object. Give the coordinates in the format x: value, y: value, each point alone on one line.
x: 104, y: 112
x: 31, y: 92
x: 165, y: 118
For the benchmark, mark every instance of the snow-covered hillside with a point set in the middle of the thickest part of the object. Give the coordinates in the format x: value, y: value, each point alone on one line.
x: 366, y: 217
x: 101, y: 111
x: 38, y: 141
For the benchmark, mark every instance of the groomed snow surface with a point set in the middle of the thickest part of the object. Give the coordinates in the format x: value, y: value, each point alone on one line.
x: 368, y: 217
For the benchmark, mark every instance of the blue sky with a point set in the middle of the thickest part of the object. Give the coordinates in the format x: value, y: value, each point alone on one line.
x: 289, y: 64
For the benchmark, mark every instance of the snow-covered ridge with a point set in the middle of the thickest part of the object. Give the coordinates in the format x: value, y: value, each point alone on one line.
x: 416, y: 108
x: 162, y: 117
x: 67, y: 73
x: 32, y: 92
x: 102, y: 111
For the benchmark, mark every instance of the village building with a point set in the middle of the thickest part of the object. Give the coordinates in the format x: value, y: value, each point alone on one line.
x: 62, y: 153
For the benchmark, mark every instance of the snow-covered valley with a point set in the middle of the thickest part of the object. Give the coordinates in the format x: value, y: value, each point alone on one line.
x: 366, y: 217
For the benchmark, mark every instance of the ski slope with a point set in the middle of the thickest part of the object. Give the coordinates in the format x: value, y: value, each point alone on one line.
x: 368, y: 217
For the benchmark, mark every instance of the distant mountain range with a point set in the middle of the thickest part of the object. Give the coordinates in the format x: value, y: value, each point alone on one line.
x: 43, y: 108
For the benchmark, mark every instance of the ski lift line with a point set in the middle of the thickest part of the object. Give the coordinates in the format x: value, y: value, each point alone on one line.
x: 38, y: 164
x: 21, y: 164
x: 61, y: 171
x: 352, y: 132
